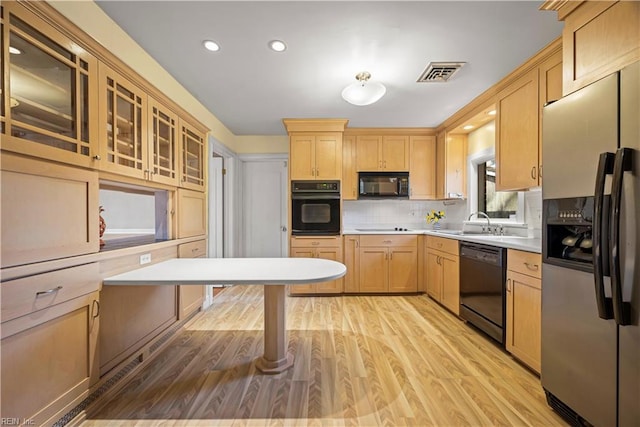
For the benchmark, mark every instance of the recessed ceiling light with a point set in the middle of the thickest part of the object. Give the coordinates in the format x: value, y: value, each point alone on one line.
x: 211, y: 45
x: 14, y: 50
x: 467, y: 127
x: 492, y: 113
x: 277, y: 45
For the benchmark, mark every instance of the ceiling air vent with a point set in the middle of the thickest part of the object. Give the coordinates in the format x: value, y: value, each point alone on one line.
x: 440, y: 71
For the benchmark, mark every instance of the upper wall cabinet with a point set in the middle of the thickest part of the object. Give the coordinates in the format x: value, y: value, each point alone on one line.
x: 316, y: 156
x: 163, y: 140
x: 519, y: 124
x: 349, y: 172
x: 599, y: 38
x: 451, y: 170
x: 193, y: 160
x: 123, y: 126
x: 422, y: 167
x: 382, y: 153
x: 315, y: 148
x: 49, y: 104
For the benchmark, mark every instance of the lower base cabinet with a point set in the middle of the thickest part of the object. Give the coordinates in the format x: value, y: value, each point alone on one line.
x: 523, y: 307
x: 443, y: 272
x: 388, y: 263
x: 48, y: 355
x: 317, y: 247
x: 190, y: 297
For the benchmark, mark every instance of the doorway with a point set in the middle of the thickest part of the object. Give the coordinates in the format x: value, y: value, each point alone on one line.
x: 264, y: 208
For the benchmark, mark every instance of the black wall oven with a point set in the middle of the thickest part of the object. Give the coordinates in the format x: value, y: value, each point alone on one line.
x: 315, y: 208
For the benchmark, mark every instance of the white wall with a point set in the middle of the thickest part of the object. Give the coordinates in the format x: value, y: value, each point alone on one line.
x: 128, y: 212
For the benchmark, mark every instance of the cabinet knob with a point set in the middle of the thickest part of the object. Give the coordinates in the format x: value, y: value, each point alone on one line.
x: 97, y: 157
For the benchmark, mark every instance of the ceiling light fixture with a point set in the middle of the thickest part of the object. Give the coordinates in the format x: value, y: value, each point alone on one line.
x: 211, y: 45
x: 467, y: 127
x: 277, y: 45
x: 363, y: 92
x: 14, y: 50
x: 492, y: 113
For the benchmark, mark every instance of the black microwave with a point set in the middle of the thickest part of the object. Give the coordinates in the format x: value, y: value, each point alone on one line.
x: 379, y: 185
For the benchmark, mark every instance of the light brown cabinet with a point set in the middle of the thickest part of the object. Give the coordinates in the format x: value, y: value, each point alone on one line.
x: 388, y: 263
x: 519, y: 125
x: 50, y: 89
x: 382, y: 153
x: 49, y: 211
x: 321, y: 247
x: 349, y: 190
x: 50, y: 325
x: 352, y: 262
x: 523, y: 307
x: 193, y: 164
x: 163, y: 158
x: 190, y: 296
x: 598, y: 38
x: 443, y: 272
x: 123, y: 125
x: 316, y: 156
x: 451, y: 169
x: 192, y: 213
x: 422, y: 167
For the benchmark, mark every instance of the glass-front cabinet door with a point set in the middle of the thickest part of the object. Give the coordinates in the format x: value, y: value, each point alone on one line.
x: 49, y: 108
x: 123, y: 133
x: 163, y: 137
x: 193, y: 158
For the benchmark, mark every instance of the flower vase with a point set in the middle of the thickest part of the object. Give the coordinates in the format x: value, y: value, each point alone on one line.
x: 436, y: 226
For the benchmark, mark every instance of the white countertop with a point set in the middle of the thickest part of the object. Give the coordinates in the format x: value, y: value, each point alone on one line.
x: 241, y: 271
x: 529, y: 244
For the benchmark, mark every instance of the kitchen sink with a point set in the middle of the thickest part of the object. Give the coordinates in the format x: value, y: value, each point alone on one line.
x: 477, y: 234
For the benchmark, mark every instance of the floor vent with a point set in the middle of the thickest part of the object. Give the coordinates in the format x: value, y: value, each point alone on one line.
x: 568, y: 414
x: 439, y: 72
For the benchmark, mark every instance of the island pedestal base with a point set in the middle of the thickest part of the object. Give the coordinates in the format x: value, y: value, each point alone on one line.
x: 275, y: 359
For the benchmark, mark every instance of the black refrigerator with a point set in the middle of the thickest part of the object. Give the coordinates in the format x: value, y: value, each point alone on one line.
x: 591, y: 258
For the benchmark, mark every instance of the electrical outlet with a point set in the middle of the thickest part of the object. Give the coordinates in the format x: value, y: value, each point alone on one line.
x: 145, y: 259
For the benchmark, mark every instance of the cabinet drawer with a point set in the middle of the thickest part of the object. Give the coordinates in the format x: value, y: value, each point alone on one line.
x: 40, y: 291
x: 449, y: 246
x: 193, y: 249
x: 317, y: 242
x: 528, y: 263
x: 389, y: 240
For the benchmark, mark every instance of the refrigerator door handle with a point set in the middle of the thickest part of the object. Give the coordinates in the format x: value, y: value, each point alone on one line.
x: 605, y: 167
x: 623, y: 163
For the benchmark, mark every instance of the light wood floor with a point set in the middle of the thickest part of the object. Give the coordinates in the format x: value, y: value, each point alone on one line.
x: 359, y: 360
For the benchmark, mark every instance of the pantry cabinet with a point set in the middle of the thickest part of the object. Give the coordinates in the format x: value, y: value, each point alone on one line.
x: 190, y: 297
x: 352, y: 262
x: 443, y: 272
x: 523, y: 307
x: 451, y: 169
x: 388, y: 263
x: 349, y: 190
x: 50, y: 325
x: 382, y: 153
x: 422, y: 167
x: 49, y: 102
x: 519, y: 124
x: 319, y: 247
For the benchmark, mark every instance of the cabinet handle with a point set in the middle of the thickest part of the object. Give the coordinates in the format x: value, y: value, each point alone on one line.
x: 384, y: 162
x: 47, y: 292
x: 540, y: 171
x: 354, y: 192
x: 194, y: 250
x: 97, y: 157
x: 533, y: 172
x: 391, y: 256
x: 386, y: 241
x: 317, y: 172
x: 95, y: 308
x: 315, y: 243
x: 508, y: 285
x: 530, y: 266
x: 380, y: 164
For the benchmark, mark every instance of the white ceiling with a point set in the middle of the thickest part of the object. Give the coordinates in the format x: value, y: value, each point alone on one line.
x: 251, y: 88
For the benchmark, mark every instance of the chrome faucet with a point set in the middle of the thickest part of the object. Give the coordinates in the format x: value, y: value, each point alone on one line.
x: 486, y: 216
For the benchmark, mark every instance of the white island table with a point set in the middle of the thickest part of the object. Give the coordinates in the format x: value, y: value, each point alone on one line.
x: 274, y: 273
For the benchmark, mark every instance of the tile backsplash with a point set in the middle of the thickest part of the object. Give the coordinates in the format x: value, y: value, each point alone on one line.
x: 411, y: 213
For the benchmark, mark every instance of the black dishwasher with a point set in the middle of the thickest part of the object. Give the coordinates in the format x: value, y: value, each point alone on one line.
x: 482, y: 287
